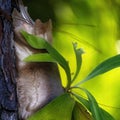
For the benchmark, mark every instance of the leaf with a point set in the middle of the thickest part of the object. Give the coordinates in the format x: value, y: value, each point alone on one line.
x: 80, y: 112
x: 59, y: 109
x: 40, y: 43
x: 33, y: 40
x: 105, y: 66
x: 82, y: 100
x: 94, y: 108
x: 40, y: 57
x: 78, y: 54
x: 105, y: 115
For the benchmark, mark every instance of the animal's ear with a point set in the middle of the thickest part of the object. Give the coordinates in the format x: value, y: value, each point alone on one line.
x: 22, y: 16
x: 21, y: 22
x: 43, y: 30
x: 39, y: 27
x: 17, y: 18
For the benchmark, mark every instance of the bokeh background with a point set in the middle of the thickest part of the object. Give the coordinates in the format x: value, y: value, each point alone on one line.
x: 95, y: 26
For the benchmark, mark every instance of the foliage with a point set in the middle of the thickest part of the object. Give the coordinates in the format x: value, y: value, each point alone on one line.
x: 55, y: 111
x: 76, y: 107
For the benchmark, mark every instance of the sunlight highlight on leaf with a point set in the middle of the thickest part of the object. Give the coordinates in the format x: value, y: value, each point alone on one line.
x: 40, y: 57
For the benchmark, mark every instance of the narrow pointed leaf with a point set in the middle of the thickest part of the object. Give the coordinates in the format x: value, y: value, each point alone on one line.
x: 40, y: 57
x: 82, y: 100
x: 40, y: 43
x: 59, y: 109
x: 78, y: 54
x: 105, y: 66
x: 94, y: 108
x: 105, y: 115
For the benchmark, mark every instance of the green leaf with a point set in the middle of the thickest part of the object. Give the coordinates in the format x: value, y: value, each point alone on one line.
x: 59, y: 109
x: 80, y: 112
x: 82, y: 100
x: 40, y: 43
x: 105, y: 66
x: 40, y: 57
x: 33, y: 40
x: 78, y: 54
x: 94, y: 108
x: 105, y: 115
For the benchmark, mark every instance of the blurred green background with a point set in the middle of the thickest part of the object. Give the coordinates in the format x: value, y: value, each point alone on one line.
x: 95, y: 26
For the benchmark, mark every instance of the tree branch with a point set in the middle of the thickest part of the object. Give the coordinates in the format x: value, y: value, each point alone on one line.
x: 8, y: 99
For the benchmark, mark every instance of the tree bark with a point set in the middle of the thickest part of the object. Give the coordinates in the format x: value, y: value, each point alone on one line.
x: 8, y: 99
